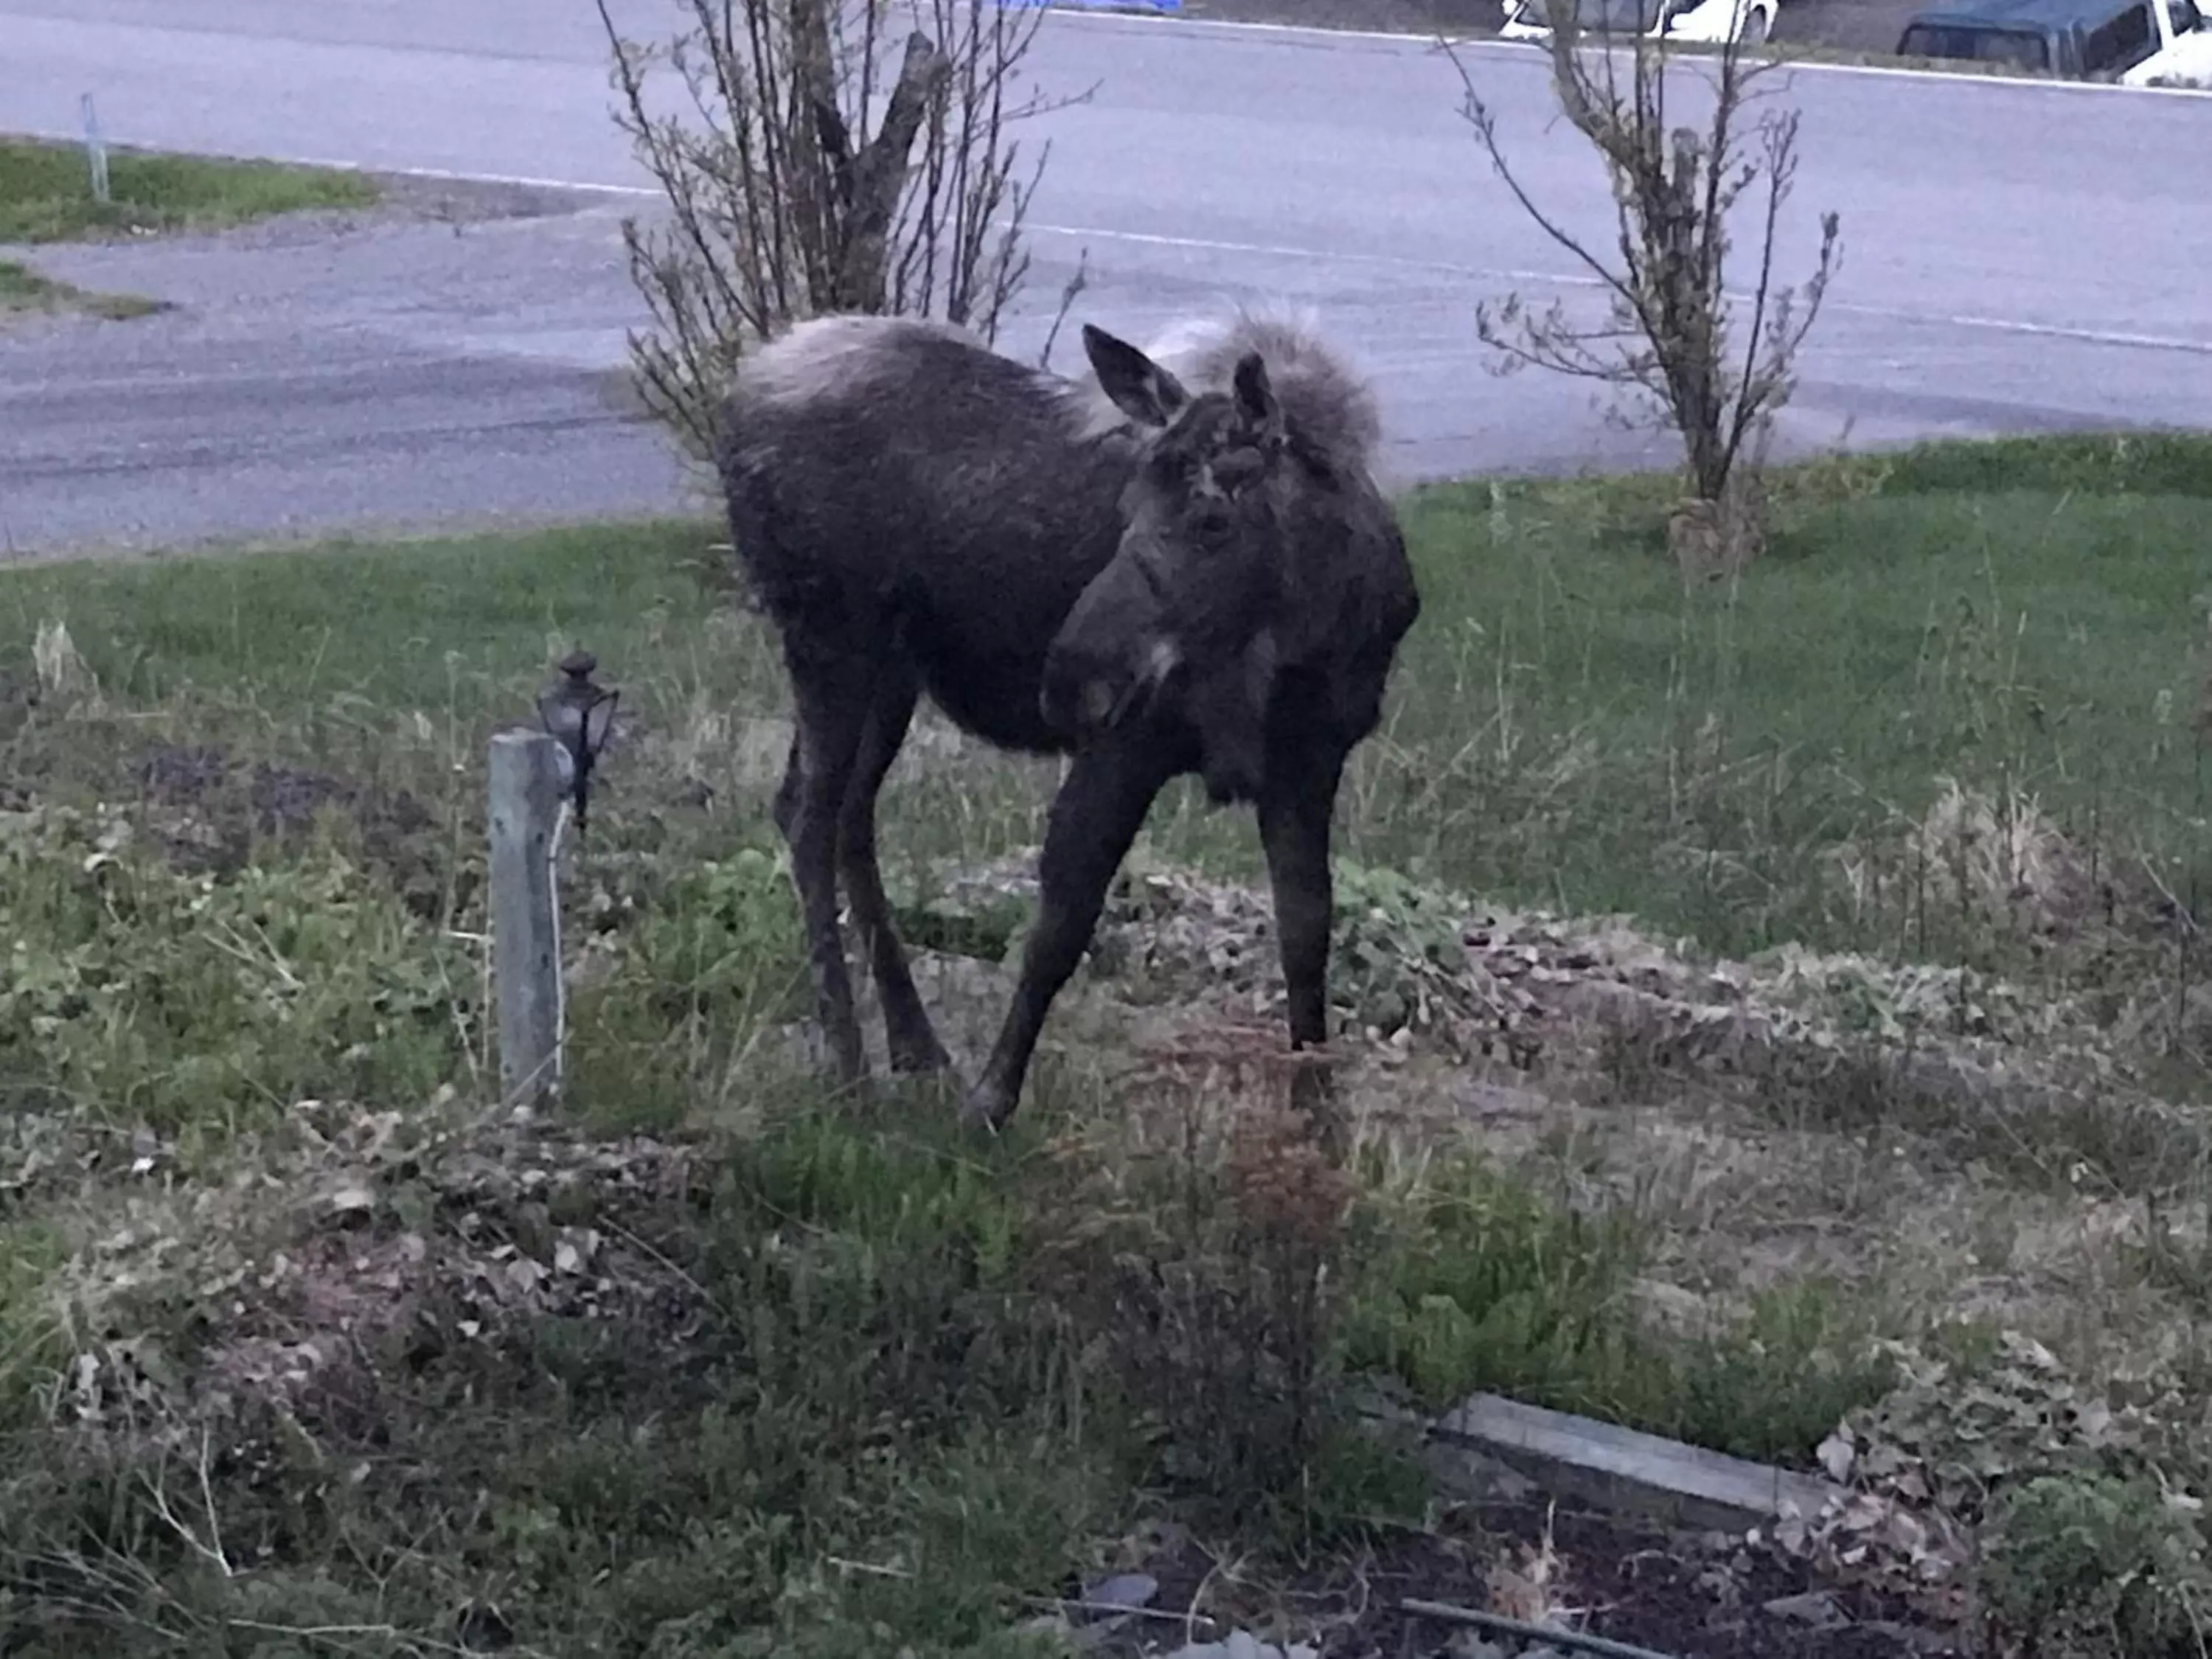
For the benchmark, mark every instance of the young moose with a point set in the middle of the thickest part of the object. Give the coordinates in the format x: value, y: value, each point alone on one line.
x: 1195, y: 571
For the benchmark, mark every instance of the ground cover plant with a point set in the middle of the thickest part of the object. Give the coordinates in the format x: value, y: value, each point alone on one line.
x: 22, y: 290
x: 46, y: 192
x: 1772, y: 1018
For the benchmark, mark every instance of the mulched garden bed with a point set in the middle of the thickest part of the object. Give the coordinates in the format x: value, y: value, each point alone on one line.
x: 1692, y: 1596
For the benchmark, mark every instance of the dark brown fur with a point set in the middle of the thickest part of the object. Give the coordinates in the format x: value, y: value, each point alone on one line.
x: 1162, y: 581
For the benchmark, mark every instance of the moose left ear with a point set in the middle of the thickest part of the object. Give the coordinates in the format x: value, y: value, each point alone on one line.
x: 1140, y: 388
x: 1256, y: 396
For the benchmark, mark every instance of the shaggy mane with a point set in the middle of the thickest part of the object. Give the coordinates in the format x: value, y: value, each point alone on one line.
x: 1328, y: 400
x: 816, y: 354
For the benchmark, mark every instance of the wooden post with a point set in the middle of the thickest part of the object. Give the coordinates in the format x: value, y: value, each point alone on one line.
x: 525, y: 926
x: 95, y: 149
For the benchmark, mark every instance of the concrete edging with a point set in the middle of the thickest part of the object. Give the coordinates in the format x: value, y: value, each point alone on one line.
x: 1618, y: 1468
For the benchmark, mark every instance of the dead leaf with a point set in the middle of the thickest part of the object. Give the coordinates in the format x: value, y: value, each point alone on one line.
x: 1837, y: 1453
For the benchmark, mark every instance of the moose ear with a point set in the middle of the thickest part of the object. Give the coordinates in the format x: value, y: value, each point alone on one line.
x: 1255, y: 395
x: 1139, y: 387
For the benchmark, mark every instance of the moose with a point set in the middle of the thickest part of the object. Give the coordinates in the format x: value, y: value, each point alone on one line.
x: 1185, y: 567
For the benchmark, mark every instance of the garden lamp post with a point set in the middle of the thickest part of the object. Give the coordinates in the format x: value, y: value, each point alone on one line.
x: 577, y: 714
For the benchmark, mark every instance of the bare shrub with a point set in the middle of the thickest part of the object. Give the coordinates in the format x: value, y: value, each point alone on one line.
x: 1203, y: 1253
x: 1673, y: 336
x: 783, y: 205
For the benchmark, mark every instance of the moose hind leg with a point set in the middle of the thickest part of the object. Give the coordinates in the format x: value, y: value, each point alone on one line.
x: 832, y: 702
x: 909, y: 1037
x: 1097, y: 814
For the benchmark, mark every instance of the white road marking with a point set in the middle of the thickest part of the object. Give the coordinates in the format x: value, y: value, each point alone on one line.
x: 1322, y: 255
x: 1892, y: 313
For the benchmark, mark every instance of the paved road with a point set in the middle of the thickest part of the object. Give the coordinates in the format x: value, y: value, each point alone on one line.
x: 2013, y: 256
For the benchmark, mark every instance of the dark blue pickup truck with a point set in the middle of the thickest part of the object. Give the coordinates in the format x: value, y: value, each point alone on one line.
x: 2071, y: 39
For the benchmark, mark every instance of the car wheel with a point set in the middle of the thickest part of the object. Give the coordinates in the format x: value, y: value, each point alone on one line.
x: 1755, y: 27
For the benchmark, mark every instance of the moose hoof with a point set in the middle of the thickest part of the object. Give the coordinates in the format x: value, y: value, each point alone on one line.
x: 986, y: 1106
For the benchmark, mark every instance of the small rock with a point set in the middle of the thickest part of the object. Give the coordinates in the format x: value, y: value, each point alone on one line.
x: 1123, y: 1590
x: 1816, y: 1608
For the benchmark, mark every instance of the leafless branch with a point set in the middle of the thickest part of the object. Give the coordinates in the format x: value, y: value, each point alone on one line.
x: 782, y: 203
x: 1668, y: 338
x: 1068, y: 294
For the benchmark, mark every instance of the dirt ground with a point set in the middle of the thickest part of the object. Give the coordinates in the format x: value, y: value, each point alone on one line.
x: 1690, y: 1596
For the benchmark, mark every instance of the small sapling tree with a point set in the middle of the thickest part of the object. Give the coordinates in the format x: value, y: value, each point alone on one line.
x: 783, y: 204
x: 1713, y: 366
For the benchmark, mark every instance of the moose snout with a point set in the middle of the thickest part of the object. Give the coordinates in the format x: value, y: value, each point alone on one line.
x: 1086, y: 692
x: 1074, y: 700
x: 1077, y: 695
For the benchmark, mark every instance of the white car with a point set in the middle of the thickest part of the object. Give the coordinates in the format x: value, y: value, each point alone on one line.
x: 1708, y: 22
x: 2184, y: 56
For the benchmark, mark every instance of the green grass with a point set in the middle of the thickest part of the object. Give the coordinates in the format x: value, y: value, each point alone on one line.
x: 854, y: 1381
x: 457, y: 626
x: 1573, y: 726
x: 46, y: 196
x: 22, y: 290
x: 1568, y: 725
x: 1479, y: 1282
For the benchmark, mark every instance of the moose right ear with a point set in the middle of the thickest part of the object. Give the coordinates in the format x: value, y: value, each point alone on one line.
x: 1139, y: 387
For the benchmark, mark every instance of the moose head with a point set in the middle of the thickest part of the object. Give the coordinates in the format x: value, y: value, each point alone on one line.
x: 1182, y: 618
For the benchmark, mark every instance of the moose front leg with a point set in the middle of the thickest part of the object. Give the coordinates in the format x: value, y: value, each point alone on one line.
x: 1096, y: 816
x: 1297, y: 802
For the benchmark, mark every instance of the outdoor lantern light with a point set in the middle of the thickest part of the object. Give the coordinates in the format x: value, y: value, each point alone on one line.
x: 577, y: 714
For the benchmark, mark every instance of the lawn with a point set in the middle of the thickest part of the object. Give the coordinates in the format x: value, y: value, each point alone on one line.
x: 46, y: 196
x: 47, y: 193
x: 2029, y: 618
x: 296, y: 1337
x: 1568, y: 726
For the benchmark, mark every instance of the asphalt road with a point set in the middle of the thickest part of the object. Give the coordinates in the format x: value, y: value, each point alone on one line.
x: 2017, y: 257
